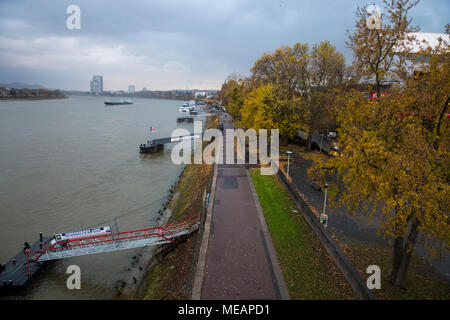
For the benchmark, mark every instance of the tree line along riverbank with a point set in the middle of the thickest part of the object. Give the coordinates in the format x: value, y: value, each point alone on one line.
x: 30, y: 94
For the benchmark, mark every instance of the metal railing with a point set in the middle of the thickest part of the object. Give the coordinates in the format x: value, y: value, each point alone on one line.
x: 116, y: 241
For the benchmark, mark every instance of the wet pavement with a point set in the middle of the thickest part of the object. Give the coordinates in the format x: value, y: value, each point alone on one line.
x: 238, y: 265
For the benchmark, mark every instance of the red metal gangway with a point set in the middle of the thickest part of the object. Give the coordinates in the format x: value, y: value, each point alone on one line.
x: 116, y: 241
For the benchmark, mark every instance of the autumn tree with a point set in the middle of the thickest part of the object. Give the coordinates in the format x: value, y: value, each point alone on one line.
x: 395, y: 158
x: 232, y: 94
x: 326, y: 72
x: 376, y: 47
x: 305, y: 75
x: 286, y: 68
x: 268, y: 107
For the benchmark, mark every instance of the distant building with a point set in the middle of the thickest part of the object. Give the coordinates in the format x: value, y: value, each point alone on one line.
x: 4, y: 92
x: 97, y: 85
x: 422, y: 41
x: 200, y: 94
x: 144, y: 89
x: 131, y: 89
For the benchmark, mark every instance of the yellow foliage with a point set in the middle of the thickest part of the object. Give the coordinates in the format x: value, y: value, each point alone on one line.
x: 268, y: 107
x: 395, y: 156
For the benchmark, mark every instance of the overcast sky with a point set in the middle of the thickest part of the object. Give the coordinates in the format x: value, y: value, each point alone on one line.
x: 169, y: 44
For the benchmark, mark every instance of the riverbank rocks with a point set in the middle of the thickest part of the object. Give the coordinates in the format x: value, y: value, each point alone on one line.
x: 143, y: 260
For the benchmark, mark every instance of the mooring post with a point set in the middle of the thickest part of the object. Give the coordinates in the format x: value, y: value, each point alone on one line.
x: 40, y: 239
x: 27, y: 252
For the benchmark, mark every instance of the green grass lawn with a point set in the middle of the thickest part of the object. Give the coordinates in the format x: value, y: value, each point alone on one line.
x: 308, y: 270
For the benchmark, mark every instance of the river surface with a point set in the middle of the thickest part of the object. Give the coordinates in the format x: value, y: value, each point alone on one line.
x: 74, y: 163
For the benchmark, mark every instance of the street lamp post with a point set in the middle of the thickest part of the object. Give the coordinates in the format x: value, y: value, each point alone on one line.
x: 323, y: 216
x: 321, y: 140
x: 288, y: 154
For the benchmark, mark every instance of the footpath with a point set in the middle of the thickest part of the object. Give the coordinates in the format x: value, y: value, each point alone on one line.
x: 237, y: 259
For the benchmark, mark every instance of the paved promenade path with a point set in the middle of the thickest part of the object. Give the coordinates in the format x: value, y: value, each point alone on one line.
x: 240, y: 262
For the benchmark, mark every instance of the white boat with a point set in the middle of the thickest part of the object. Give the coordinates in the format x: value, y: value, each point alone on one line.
x: 185, y: 107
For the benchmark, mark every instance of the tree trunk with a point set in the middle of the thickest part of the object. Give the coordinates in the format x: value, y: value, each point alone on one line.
x: 308, y: 143
x: 402, y: 256
x: 400, y: 279
x: 396, y: 258
x: 438, y: 126
x: 284, y: 140
x: 378, y: 86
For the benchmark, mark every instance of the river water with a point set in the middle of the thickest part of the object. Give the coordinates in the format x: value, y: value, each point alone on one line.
x: 73, y: 163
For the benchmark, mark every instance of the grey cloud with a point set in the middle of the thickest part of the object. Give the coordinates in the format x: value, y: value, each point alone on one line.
x: 167, y: 44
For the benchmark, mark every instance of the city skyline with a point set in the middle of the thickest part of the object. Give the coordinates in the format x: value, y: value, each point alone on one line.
x: 96, y: 84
